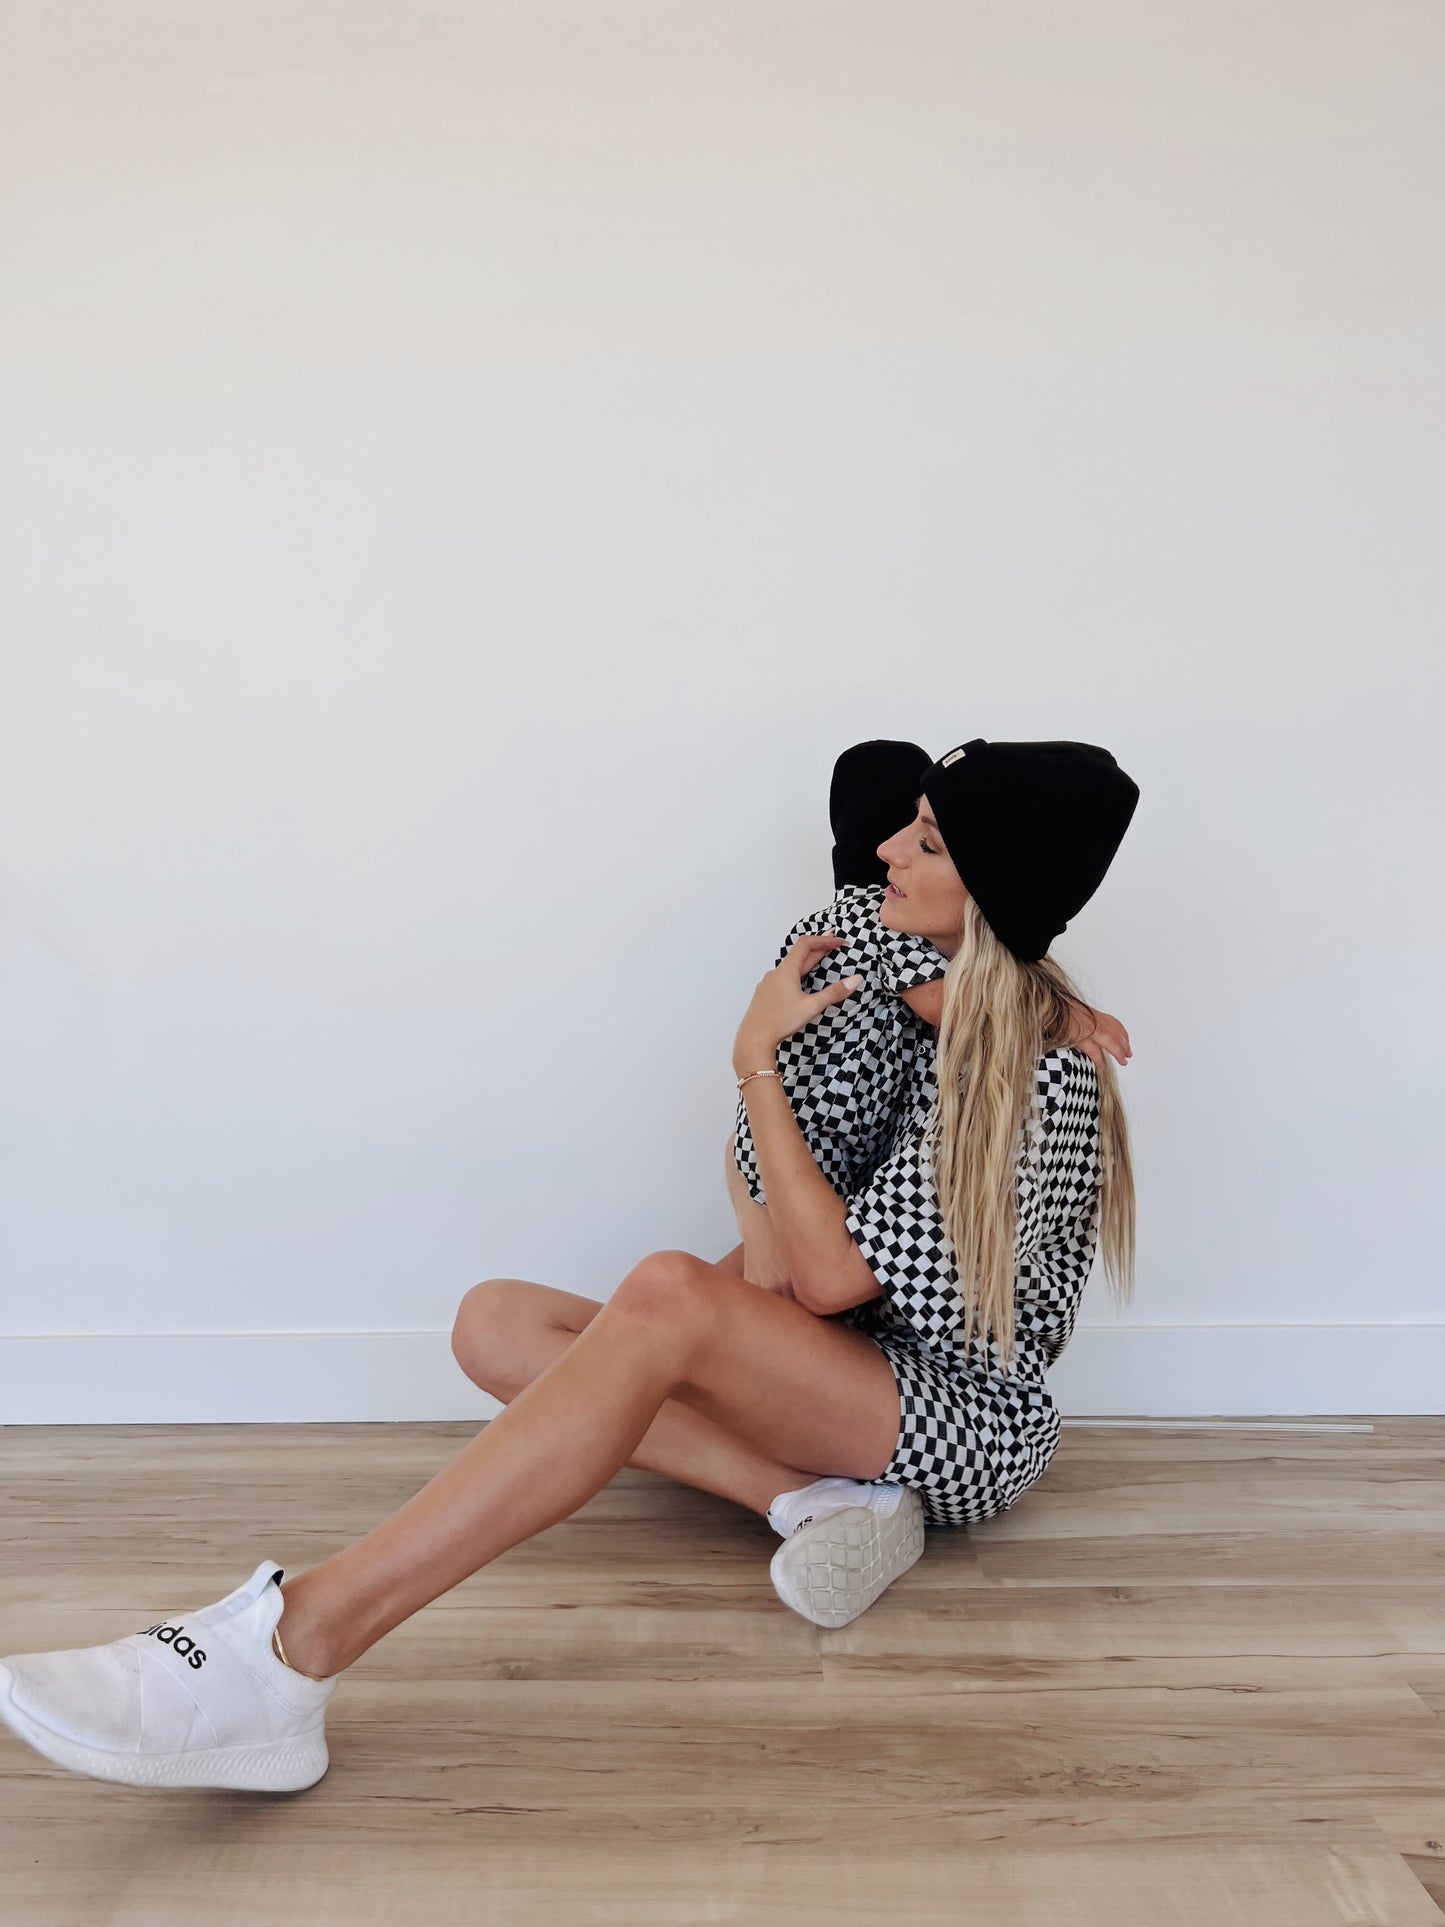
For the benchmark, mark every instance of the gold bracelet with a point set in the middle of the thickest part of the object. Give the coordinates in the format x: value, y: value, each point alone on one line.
x: 752, y: 1074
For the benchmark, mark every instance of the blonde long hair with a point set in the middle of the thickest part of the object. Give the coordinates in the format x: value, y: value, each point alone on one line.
x: 999, y: 1017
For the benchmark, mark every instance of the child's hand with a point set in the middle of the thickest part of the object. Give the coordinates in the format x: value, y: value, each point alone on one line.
x: 1095, y: 1031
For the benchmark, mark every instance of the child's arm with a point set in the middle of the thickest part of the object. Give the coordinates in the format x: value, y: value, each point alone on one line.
x: 1106, y: 1034
x: 1093, y: 1031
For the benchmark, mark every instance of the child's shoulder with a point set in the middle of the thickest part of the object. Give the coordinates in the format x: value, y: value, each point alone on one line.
x: 906, y: 961
x: 852, y: 911
x: 896, y: 959
x: 845, y: 914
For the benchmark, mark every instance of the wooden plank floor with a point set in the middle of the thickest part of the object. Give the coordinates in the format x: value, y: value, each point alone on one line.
x: 1193, y: 1677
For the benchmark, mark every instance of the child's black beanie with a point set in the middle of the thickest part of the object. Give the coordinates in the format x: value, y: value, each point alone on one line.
x: 873, y: 795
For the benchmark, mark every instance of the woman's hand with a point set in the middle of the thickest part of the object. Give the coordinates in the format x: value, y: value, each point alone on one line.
x: 1094, y: 1032
x: 780, y: 1004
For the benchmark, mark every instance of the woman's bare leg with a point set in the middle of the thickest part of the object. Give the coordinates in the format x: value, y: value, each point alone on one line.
x: 509, y: 1331
x: 790, y: 1382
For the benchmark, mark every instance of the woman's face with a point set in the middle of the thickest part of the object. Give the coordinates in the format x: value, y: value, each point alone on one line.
x: 925, y: 893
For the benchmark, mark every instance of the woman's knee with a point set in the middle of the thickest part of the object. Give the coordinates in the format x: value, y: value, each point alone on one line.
x: 664, y: 1286
x: 480, y: 1328
x: 490, y: 1333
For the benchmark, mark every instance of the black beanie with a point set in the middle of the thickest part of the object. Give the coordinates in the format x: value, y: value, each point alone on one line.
x: 874, y: 794
x: 1031, y: 828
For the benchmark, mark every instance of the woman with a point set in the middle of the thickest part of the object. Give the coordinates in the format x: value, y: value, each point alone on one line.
x: 852, y: 1074
x: 689, y: 1369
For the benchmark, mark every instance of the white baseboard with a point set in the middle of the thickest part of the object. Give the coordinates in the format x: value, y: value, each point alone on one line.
x: 199, y: 1378
x: 1117, y: 1371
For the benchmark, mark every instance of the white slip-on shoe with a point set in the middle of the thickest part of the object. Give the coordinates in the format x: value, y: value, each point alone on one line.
x: 197, y: 1699
x: 832, y: 1569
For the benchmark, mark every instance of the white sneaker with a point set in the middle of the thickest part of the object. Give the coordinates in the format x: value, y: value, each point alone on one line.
x: 197, y: 1699
x: 833, y: 1568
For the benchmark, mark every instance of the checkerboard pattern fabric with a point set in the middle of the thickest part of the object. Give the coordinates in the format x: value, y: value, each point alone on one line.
x: 850, y: 1074
x: 973, y: 1438
x: 970, y: 1451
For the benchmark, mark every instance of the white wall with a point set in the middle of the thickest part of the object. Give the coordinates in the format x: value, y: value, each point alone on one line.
x: 468, y: 472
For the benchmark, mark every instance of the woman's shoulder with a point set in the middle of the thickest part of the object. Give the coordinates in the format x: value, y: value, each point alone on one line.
x: 1067, y: 1060
x: 1060, y: 1075
x: 1066, y: 1083
x: 1065, y: 1065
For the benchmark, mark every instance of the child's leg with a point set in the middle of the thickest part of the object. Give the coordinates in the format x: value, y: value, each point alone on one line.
x: 764, y: 1262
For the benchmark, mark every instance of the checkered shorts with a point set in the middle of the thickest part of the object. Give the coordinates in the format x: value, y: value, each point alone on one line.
x: 969, y: 1450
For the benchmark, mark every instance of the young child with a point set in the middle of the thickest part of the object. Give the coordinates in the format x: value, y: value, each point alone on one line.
x: 846, y: 1072
x: 850, y: 1073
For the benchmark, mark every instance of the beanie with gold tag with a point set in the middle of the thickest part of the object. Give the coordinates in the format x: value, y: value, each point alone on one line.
x: 1031, y: 828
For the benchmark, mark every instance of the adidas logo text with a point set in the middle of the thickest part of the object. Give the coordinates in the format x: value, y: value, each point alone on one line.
x: 179, y: 1641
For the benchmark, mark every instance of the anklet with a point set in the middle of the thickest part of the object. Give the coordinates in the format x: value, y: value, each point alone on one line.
x: 320, y: 1678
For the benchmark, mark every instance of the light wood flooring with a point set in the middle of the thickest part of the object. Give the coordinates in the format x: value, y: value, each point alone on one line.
x: 1193, y: 1677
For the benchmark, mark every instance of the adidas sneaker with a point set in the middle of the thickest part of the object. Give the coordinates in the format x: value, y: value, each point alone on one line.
x: 196, y: 1699
x: 832, y: 1569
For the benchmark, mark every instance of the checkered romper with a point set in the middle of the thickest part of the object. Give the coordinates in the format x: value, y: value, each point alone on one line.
x: 851, y: 1073
x: 972, y: 1439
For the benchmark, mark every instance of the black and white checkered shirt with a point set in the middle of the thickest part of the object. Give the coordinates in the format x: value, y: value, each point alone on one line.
x: 972, y: 1439
x: 851, y: 1073
x: 896, y: 1223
